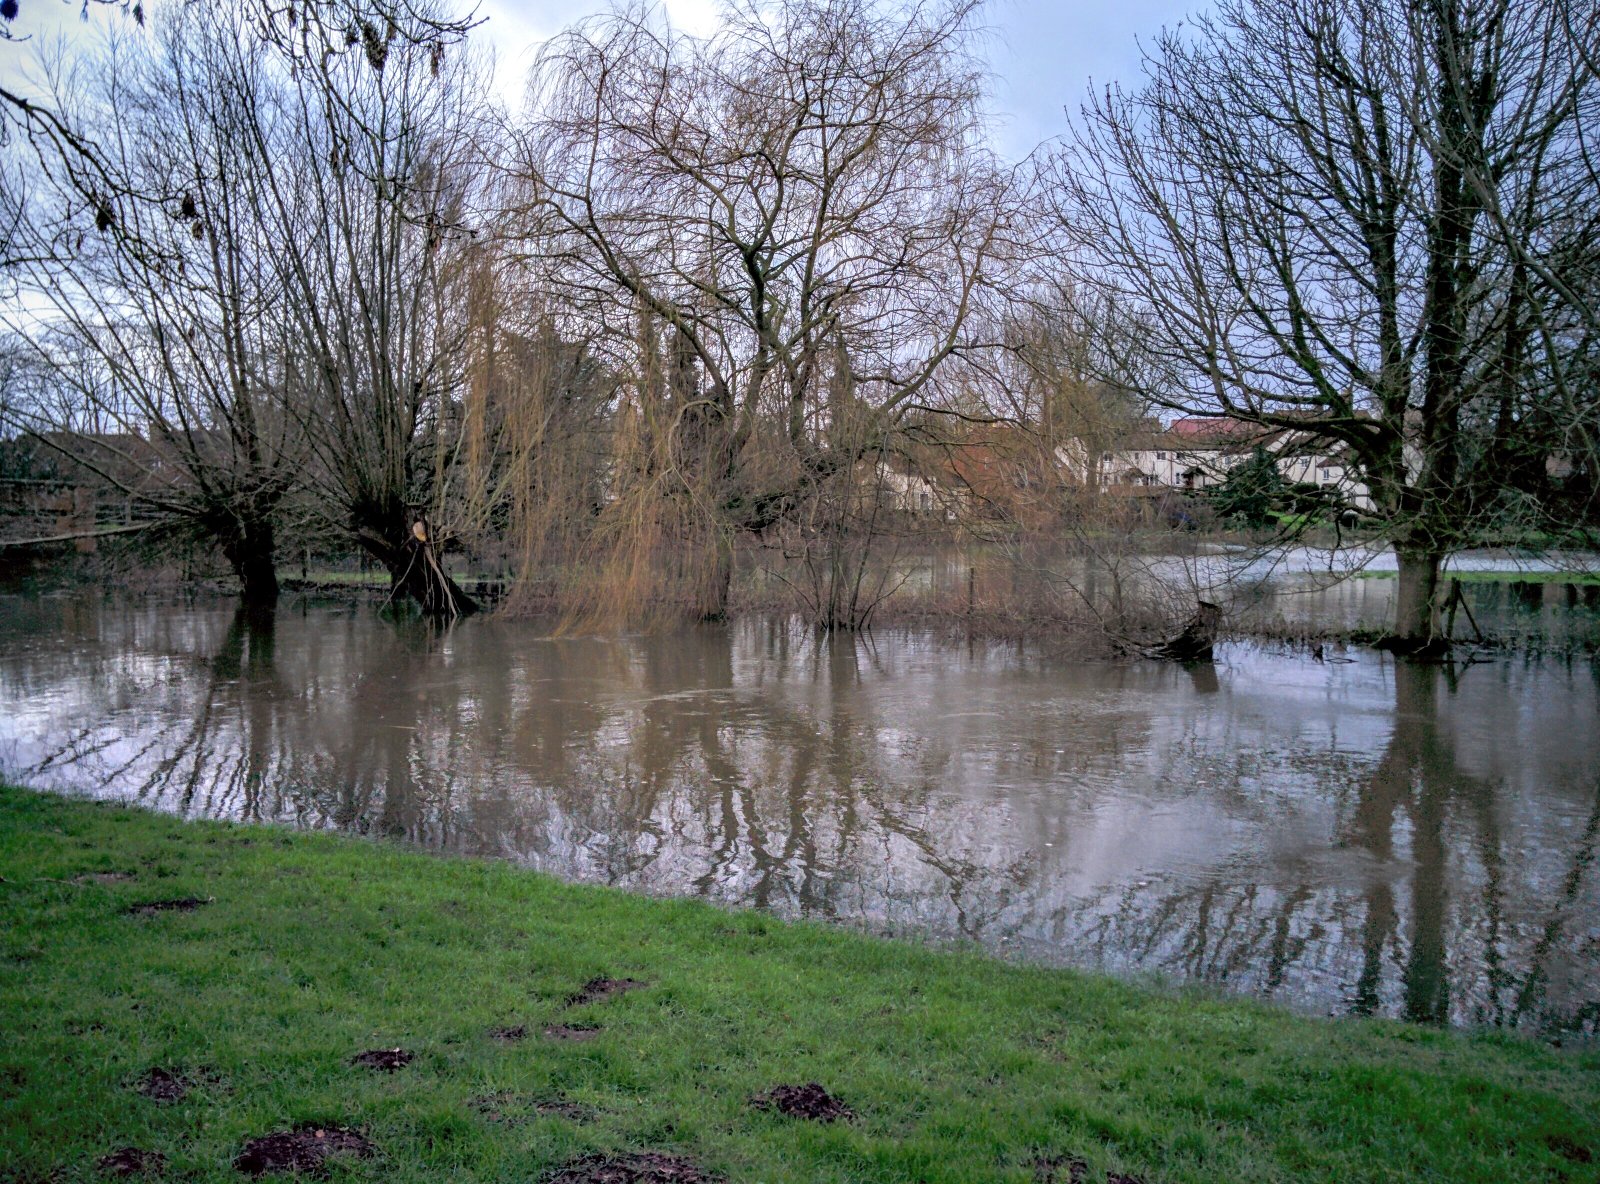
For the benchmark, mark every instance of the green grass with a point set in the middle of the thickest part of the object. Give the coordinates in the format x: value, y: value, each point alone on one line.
x: 322, y: 577
x: 330, y: 578
x: 1498, y: 577
x: 959, y: 1067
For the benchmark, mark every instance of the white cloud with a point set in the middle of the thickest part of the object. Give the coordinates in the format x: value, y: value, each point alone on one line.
x: 516, y: 29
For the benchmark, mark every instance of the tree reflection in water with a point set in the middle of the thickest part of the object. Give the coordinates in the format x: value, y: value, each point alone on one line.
x: 1374, y: 838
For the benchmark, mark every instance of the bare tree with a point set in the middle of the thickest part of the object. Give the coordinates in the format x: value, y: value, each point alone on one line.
x: 1368, y: 221
x: 165, y: 337
x: 782, y: 233
x: 285, y: 219
x: 305, y: 31
x: 50, y: 138
x: 366, y: 176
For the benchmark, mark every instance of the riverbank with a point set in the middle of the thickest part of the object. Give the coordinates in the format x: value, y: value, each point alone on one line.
x: 549, y: 1024
x: 1079, y: 597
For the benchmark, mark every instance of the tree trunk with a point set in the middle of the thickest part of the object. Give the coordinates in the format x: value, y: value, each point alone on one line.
x: 249, y: 553
x: 839, y: 612
x: 408, y: 556
x: 1195, y: 643
x: 258, y: 580
x: 1416, y: 609
x: 415, y: 572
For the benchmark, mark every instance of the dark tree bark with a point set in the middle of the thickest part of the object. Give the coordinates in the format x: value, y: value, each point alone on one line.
x: 415, y: 572
x: 250, y: 554
x: 1195, y: 643
x: 165, y: 343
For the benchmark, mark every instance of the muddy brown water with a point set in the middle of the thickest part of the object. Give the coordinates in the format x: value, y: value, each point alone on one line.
x: 1350, y: 837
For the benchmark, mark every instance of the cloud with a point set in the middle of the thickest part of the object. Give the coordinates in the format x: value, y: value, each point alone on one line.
x: 516, y: 30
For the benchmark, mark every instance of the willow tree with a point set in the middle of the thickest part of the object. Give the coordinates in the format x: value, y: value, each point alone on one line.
x: 1374, y: 223
x: 319, y: 156
x: 783, y: 232
x: 368, y: 161
x: 158, y: 318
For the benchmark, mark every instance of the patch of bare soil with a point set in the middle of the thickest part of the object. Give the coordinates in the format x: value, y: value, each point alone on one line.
x: 1060, y: 1169
x: 182, y: 904
x: 1567, y: 1149
x: 384, y: 1060
x: 598, y: 989
x: 508, y: 1035
x: 643, y: 1167
x: 809, y: 1101
x: 574, y: 1032
x: 102, y: 878
x: 306, y: 1148
x: 131, y: 1161
x: 164, y: 1085
x: 1119, y: 1178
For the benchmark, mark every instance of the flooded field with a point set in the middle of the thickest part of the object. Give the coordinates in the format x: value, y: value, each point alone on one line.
x: 1354, y: 836
x: 1548, y: 602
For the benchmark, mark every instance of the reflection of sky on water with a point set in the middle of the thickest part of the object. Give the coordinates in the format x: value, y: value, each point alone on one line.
x: 1349, y: 836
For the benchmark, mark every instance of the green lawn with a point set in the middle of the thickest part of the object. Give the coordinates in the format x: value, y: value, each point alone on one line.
x: 330, y: 578
x: 1498, y: 577
x: 958, y: 1067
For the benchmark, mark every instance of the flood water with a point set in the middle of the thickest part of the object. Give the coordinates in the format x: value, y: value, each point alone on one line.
x: 1350, y: 837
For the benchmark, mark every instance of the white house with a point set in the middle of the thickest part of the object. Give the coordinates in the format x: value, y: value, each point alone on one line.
x: 900, y: 488
x: 1197, y: 453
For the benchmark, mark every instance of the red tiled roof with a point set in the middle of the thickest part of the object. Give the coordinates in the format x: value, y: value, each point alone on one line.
x: 1200, y: 428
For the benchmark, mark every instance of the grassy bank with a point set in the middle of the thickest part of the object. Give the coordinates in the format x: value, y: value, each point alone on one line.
x: 1582, y: 578
x: 310, y: 949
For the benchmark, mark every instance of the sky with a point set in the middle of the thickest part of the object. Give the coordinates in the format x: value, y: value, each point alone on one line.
x: 1046, y: 53
x: 1043, y: 53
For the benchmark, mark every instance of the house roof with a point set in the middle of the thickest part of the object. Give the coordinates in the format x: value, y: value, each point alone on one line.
x: 1216, y: 430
